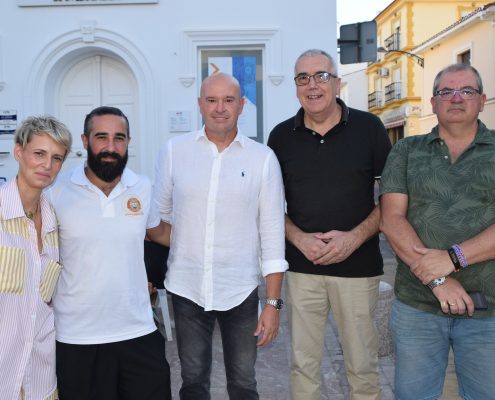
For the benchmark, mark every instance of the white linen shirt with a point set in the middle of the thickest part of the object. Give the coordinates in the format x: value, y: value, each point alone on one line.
x: 27, y: 279
x: 102, y: 294
x: 227, y: 214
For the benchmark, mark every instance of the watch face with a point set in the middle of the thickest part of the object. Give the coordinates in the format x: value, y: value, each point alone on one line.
x: 277, y: 303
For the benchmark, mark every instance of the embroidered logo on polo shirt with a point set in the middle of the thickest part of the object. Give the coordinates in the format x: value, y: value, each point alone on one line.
x: 133, y: 205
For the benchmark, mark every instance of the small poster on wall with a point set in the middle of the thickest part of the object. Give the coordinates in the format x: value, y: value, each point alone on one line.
x: 179, y: 121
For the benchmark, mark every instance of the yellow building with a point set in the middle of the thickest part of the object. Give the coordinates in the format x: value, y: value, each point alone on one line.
x: 470, y: 40
x: 395, y: 80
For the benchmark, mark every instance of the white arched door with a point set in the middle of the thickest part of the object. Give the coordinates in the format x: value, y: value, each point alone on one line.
x: 92, y: 82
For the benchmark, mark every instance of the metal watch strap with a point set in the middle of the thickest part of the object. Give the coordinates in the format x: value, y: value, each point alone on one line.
x: 277, y: 303
x: 437, y: 282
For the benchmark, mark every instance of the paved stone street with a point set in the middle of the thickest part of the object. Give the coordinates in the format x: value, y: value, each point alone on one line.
x: 272, y: 368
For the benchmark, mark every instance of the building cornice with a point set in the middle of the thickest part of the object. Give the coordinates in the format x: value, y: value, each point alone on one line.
x: 487, y: 12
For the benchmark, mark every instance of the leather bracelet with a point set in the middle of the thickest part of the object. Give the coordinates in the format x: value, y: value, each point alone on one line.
x: 437, y: 282
x: 454, y: 259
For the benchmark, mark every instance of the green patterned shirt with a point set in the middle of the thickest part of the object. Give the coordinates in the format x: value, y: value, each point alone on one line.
x: 448, y: 203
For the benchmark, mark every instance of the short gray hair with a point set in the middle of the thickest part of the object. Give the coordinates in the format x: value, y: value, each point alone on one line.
x: 46, y: 124
x: 317, y: 52
x: 458, y: 68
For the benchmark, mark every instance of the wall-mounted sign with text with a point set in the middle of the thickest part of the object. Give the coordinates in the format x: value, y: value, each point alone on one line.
x: 37, y: 3
x: 8, y: 121
x: 179, y: 121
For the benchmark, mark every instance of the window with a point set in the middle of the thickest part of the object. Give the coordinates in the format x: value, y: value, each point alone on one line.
x: 464, y: 57
x: 395, y: 134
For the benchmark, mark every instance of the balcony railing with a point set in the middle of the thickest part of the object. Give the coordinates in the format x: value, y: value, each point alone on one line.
x: 393, y: 42
x: 375, y: 100
x: 393, y: 92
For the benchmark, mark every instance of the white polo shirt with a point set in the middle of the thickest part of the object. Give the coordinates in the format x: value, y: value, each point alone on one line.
x: 102, y: 293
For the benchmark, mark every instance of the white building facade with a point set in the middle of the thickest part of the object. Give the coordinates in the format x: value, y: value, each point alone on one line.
x: 354, y: 85
x: 148, y: 57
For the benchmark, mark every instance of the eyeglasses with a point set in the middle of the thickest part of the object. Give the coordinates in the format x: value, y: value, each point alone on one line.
x: 319, y: 77
x: 448, y: 94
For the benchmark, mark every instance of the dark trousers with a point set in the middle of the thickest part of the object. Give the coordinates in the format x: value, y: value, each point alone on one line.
x: 134, y: 369
x: 194, y: 328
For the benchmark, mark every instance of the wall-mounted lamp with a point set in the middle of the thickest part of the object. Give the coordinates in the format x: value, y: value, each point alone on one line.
x: 420, y: 60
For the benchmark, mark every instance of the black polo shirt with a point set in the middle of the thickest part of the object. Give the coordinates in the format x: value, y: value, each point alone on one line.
x: 329, y: 183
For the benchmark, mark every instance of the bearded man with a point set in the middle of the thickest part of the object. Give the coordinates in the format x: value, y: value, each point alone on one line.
x: 107, y: 343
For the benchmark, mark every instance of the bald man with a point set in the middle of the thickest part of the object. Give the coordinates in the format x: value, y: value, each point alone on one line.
x: 223, y: 194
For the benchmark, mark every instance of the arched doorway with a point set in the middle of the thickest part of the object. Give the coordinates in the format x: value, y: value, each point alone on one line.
x: 89, y: 82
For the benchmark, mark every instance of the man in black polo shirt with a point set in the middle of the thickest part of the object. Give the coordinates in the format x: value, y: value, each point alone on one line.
x: 330, y: 157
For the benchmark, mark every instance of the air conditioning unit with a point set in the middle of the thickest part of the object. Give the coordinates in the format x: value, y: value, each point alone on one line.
x: 383, y: 72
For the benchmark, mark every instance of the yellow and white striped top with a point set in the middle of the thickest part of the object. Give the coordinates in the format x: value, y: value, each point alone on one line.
x: 27, y: 282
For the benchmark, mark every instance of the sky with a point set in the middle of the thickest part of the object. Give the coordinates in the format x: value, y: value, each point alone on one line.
x: 351, y: 11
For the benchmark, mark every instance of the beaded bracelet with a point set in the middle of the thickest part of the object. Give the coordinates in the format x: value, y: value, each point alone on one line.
x: 460, y: 255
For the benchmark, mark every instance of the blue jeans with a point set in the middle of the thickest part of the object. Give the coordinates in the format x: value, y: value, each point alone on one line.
x: 422, y: 343
x: 194, y: 327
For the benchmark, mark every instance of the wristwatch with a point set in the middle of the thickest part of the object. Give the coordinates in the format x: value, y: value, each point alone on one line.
x: 277, y: 303
x: 437, y: 282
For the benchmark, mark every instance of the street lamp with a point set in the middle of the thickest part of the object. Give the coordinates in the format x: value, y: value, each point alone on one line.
x: 420, y: 60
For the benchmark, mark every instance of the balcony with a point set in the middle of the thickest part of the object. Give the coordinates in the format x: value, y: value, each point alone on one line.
x: 392, y: 92
x: 375, y: 100
x: 392, y: 42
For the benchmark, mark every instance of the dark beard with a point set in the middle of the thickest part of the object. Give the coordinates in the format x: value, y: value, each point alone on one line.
x: 107, y: 171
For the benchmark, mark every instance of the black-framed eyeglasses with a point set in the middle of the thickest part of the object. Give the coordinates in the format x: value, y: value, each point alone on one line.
x: 466, y: 93
x: 319, y: 77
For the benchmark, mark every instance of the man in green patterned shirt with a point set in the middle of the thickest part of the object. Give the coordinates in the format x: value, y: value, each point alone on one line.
x: 438, y: 213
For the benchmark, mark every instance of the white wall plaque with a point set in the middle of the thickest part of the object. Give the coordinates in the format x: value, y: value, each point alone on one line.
x: 179, y: 121
x: 37, y: 3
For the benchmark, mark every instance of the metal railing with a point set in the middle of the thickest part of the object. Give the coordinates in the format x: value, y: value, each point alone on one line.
x: 392, y: 42
x: 393, y: 92
x: 375, y: 99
